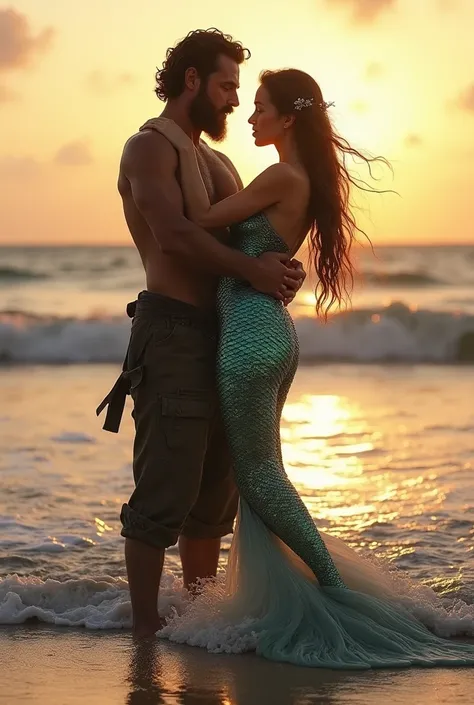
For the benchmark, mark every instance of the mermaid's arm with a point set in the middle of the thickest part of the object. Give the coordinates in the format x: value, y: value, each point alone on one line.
x: 268, y: 189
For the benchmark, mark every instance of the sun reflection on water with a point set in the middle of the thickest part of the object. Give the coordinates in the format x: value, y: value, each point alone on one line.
x: 336, y: 457
x: 310, y: 427
x: 101, y: 526
x: 355, y: 475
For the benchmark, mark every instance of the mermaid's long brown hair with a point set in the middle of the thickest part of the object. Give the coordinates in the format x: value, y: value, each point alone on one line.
x: 323, y: 153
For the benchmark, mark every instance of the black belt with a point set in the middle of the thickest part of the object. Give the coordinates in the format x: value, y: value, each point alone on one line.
x: 115, y: 399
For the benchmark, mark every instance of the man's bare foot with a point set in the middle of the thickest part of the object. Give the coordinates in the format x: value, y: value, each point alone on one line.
x: 147, y: 631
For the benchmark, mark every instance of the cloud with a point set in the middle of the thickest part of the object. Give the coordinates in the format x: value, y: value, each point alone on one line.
x: 19, y: 167
x: 465, y: 100
x: 365, y: 11
x: 74, y: 154
x: 18, y: 46
x: 413, y: 140
x: 98, y: 82
x: 374, y: 70
x: 7, y: 95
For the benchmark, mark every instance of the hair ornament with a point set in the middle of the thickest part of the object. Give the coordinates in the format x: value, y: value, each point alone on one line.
x: 301, y: 103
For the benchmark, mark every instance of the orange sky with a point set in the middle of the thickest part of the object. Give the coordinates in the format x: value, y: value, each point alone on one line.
x: 77, y: 78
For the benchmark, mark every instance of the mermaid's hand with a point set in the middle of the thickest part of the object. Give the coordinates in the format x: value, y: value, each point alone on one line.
x: 294, y: 284
x: 272, y: 274
x: 169, y: 129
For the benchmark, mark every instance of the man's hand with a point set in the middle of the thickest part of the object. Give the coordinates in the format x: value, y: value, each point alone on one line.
x: 273, y: 274
x: 297, y: 283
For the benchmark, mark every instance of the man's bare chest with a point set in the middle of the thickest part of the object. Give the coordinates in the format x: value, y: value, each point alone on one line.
x: 217, y: 177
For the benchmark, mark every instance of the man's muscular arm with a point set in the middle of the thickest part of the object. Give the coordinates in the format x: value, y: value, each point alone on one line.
x: 149, y: 163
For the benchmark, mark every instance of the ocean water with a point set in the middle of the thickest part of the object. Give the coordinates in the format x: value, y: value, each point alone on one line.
x: 377, y: 438
x: 410, y: 304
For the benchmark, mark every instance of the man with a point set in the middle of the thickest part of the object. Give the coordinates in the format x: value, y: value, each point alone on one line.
x: 184, y: 488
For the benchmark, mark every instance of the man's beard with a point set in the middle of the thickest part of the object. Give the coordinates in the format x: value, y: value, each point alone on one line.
x: 207, y: 118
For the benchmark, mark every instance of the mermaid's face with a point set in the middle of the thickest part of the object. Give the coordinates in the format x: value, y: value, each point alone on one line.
x: 268, y: 125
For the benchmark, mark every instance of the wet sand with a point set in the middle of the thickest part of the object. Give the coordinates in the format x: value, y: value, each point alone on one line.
x: 55, y: 666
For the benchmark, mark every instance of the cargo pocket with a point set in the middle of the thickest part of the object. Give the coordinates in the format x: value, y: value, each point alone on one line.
x: 186, y: 420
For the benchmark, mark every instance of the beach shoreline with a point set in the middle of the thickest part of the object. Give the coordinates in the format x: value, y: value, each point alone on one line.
x: 64, y: 666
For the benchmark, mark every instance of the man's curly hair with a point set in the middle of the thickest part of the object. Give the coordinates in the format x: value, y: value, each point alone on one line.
x: 200, y: 49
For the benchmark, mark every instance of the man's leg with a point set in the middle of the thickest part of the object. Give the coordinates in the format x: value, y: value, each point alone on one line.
x: 146, y: 537
x: 213, y: 514
x: 144, y: 567
x: 170, y: 443
x: 199, y: 558
x: 174, y: 397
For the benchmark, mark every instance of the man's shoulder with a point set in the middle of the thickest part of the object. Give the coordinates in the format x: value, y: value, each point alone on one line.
x: 148, y: 139
x: 148, y: 145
